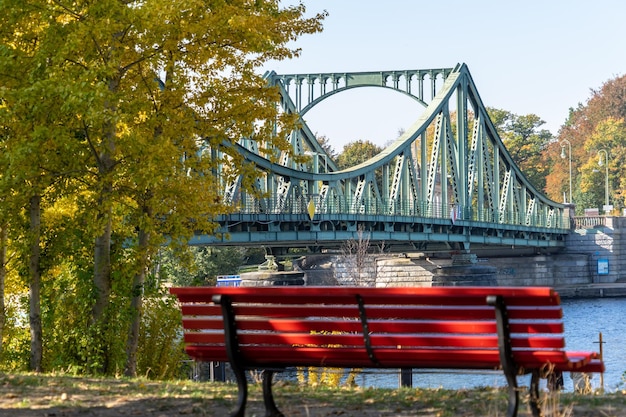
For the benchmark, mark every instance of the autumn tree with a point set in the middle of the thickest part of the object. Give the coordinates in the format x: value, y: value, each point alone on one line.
x: 3, y: 275
x: 36, y: 146
x: 606, y: 149
x: 525, y: 141
x: 594, y: 125
x: 326, y: 144
x: 139, y: 99
x: 354, y: 153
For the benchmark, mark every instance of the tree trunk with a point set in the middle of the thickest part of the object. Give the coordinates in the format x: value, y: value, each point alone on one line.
x: 102, y: 246
x: 36, y: 344
x: 102, y: 249
x: 136, y: 305
x: 3, y: 274
x: 102, y: 271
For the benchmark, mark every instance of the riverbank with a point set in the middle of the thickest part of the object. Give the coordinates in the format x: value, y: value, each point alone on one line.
x: 603, y: 290
x: 28, y: 395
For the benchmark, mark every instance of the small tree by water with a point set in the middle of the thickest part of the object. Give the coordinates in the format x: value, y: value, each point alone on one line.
x: 355, y: 252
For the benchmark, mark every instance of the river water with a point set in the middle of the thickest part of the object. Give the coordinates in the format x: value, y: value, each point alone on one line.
x: 584, y: 320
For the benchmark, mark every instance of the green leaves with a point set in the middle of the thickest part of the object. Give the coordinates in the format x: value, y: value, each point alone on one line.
x: 356, y: 152
x: 115, y: 112
x: 525, y: 141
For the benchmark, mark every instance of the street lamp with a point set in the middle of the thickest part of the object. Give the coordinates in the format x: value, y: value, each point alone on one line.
x: 563, y: 143
x: 606, y: 183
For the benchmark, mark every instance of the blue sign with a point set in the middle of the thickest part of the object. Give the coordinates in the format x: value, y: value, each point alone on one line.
x: 228, y: 280
x: 603, y: 266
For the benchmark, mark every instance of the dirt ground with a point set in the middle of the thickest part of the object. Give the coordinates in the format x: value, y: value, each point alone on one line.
x: 87, y: 398
x: 46, y: 402
x: 83, y: 398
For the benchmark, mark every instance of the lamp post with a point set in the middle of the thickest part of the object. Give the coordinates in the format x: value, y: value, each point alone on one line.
x: 563, y: 143
x: 606, y: 183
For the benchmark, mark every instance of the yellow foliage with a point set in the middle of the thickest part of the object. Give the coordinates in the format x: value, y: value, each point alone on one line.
x: 325, y: 376
x: 114, y: 115
x: 122, y: 130
x: 142, y: 116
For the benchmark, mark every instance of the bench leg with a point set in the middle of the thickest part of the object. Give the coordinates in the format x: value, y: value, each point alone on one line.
x: 268, y: 398
x: 506, y: 352
x: 513, y: 399
x: 232, y: 349
x: 242, y: 391
x: 534, y: 394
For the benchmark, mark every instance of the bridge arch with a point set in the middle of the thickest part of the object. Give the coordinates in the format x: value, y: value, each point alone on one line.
x: 318, y: 100
x: 332, y: 83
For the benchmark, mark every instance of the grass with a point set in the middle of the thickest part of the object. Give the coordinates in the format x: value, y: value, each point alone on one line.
x: 21, y: 394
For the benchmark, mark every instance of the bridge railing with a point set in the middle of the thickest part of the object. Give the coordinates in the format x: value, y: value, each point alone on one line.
x: 301, y: 205
x: 590, y: 222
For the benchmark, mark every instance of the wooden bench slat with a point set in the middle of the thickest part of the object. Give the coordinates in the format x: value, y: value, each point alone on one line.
x: 421, y: 358
x: 201, y: 309
x: 207, y: 353
x: 430, y: 295
x: 594, y: 366
x: 379, y: 312
x: 351, y: 357
x: 214, y: 323
x: 423, y: 314
x: 413, y: 300
x: 378, y: 340
x: 354, y: 357
x: 395, y: 326
x: 424, y: 358
x: 544, y: 359
x: 332, y: 341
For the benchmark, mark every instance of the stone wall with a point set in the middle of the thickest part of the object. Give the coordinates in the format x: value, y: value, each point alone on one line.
x: 587, y: 252
x: 403, y: 272
x: 600, y: 244
x: 349, y: 270
x: 550, y: 270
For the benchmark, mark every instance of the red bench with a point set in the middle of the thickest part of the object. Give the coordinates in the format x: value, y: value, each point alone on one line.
x: 518, y: 330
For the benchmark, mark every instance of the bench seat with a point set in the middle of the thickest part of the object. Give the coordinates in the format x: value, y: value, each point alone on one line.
x: 516, y: 329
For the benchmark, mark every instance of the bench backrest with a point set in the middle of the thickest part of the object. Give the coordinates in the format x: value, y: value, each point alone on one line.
x: 356, y: 326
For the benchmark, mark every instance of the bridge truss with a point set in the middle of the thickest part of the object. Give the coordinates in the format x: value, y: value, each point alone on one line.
x: 446, y: 182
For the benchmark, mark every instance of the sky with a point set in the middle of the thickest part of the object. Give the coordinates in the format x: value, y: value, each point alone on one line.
x: 526, y: 57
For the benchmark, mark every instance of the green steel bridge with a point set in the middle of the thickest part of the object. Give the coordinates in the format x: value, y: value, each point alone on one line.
x: 447, y: 182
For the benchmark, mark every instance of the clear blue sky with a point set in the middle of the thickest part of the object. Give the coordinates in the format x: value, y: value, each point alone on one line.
x: 540, y: 57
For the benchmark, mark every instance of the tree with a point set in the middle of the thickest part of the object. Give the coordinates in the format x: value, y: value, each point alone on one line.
x: 327, y: 146
x: 144, y: 94
x: 3, y: 275
x: 31, y: 136
x: 525, y: 141
x: 589, y: 127
x: 357, y: 152
x: 356, y: 251
x: 198, y: 265
x: 606, y: 150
